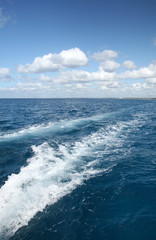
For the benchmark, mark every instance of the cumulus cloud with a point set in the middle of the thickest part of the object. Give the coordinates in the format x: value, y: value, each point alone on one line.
x: 71, y: 58
x: 105, y: 55
x: 144, y: 72
x: 102, y: 75
x: 108, y: 84
x: 47, y: 63
x: 129, y: 64
x: 106, y: 59
x: 109, y: 66
x: 68, y: 79
x: 3, y: 18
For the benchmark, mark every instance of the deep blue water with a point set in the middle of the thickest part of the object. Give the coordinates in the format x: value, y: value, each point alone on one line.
x: 77, y: 169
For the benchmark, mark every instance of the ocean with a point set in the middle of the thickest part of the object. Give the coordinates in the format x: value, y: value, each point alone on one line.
x: 77, y: 169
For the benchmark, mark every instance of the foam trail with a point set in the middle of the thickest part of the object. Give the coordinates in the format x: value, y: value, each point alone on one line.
x: 52, y: 127
x: 53, y: 173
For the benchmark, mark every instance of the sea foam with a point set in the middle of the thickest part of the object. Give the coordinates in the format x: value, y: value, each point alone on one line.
x: 51, y: 127
x: 55, y: 172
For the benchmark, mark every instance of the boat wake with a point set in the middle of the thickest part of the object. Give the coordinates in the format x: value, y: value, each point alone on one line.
x: 55, y: 170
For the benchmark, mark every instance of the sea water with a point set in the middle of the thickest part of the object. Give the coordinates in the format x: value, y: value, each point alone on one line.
x: 77, y: 169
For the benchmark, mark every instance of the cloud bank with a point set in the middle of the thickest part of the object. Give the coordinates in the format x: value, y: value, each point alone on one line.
x: 69, y: 74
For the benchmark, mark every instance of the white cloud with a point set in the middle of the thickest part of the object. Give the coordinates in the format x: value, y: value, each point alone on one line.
x: 106, y: 59
x: 46, y: 78
x: 80, y: 76
x: 78, y: 79
x: 106, y: 79
x: 47, y: 63
x: 5, y: 74
x: 77, y: 86
x: 151, y: 80
x: 102, y: 76
x: 54, y: 62
x: 73, y: 58
x: 3, y: 18
x: 129, y: 64
x: 31, y: 86
x: 68, y: 77
x: 108, y: 84
x: 143, y: 88
x: 109, y: 66
x: 105, y: 55
x: 144, y: 72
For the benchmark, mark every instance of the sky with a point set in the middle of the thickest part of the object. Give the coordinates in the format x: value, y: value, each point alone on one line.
x: 77, y: 48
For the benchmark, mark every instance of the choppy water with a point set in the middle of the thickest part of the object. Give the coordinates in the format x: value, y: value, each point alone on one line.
x: 77, y: 169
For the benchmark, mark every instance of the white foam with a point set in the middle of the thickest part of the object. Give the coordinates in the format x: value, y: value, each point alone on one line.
x: 51, y: 174
x: 51, y: 127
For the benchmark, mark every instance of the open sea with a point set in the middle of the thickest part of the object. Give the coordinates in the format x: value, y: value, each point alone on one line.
x: 77, y: 169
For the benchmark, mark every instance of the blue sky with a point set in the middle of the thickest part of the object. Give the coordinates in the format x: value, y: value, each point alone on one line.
x: 85, y: 48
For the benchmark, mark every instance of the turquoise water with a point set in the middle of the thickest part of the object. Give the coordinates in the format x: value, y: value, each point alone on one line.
x: 77, y: 169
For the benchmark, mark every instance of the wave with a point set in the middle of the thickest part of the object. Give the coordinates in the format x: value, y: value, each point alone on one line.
x: 52, y: 127
x: 54, y: 172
